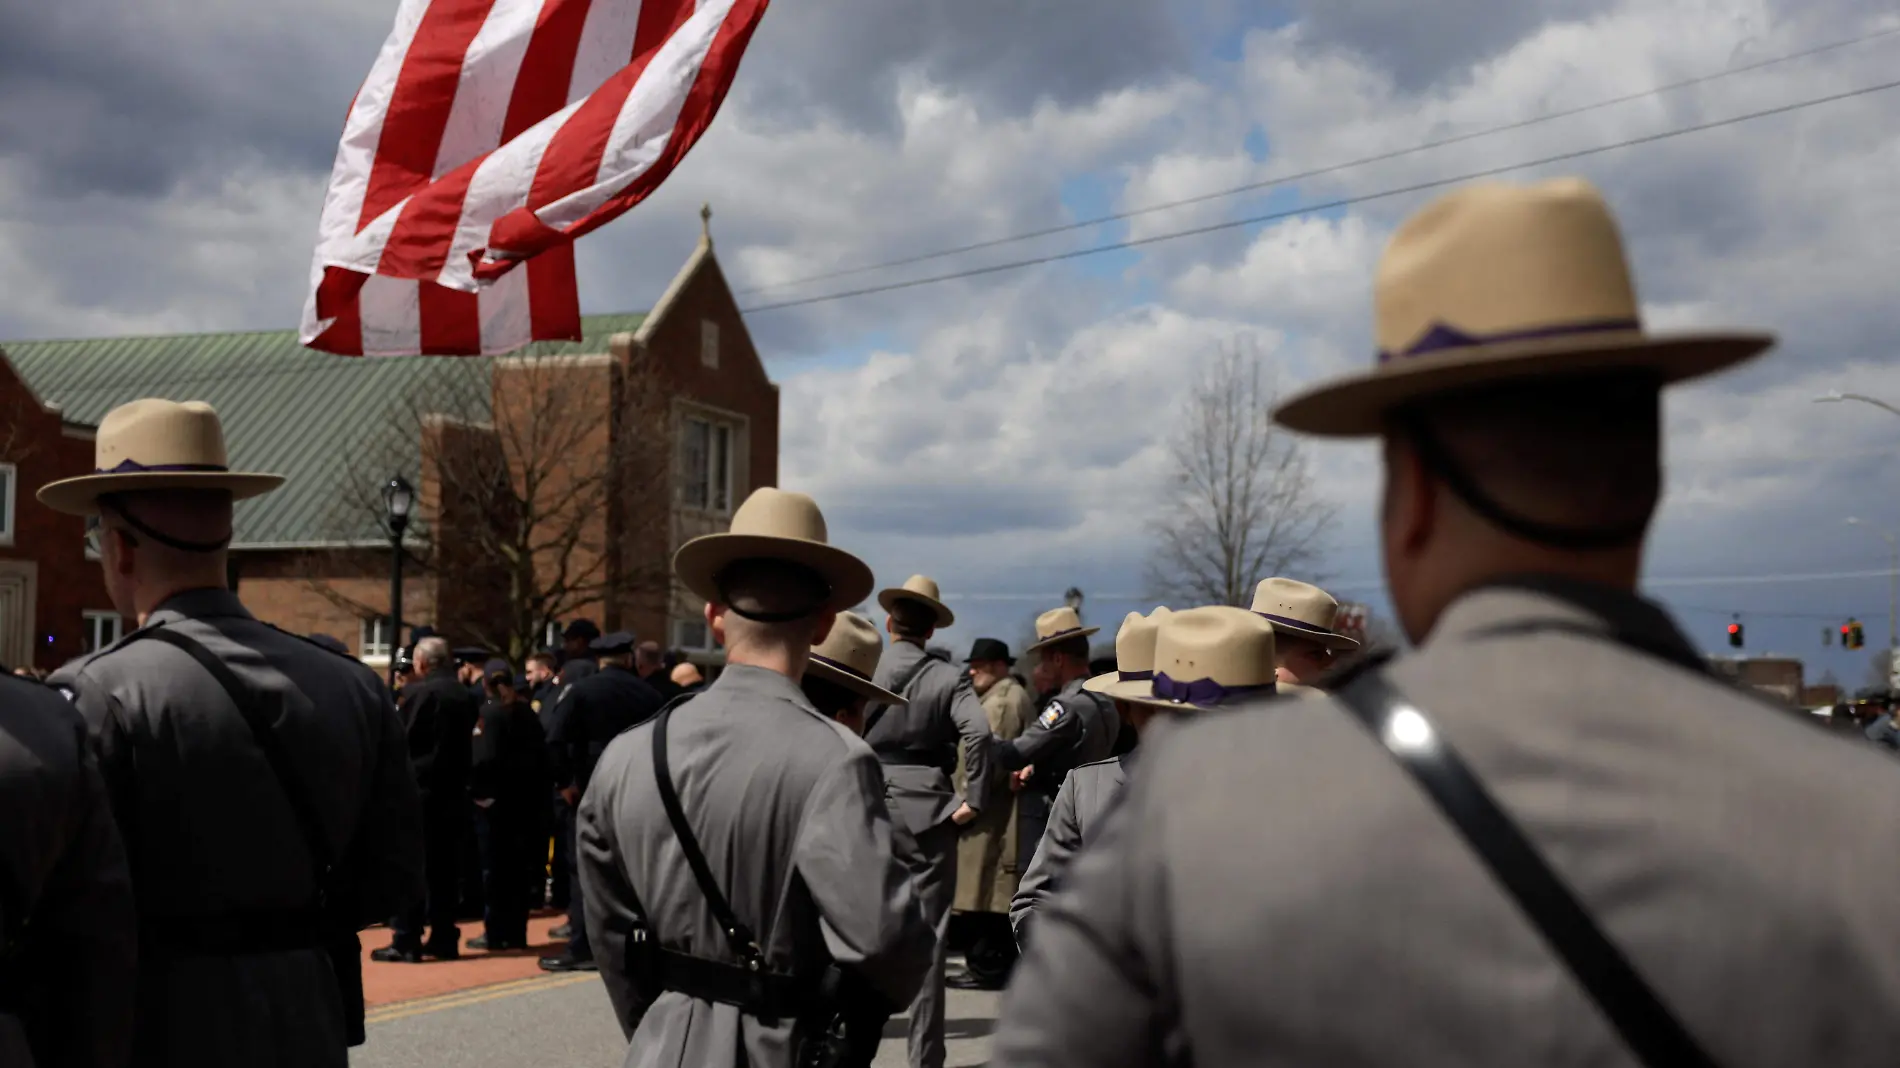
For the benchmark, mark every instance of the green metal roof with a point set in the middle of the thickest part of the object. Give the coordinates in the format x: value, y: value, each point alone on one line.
x: 286, y: 409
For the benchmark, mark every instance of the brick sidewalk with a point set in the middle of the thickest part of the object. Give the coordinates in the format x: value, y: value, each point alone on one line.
x: 387, y: 984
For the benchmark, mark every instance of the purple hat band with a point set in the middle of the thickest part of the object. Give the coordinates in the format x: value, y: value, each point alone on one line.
x: 1065, y: 632
x: 1298, y: 624
x: 1441, y: 337
x: 1135, y: 676
x: 846, y: 668
x: 133, y: 467
x: 1203, y: 691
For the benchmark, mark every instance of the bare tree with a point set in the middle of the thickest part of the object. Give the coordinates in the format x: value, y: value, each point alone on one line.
x: 549, y: 483
x: 1240, y: 504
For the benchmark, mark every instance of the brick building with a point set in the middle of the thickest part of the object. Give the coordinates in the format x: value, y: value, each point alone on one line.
x: 601, y: 455
x: 53, y: 603
x: 1777, y: 676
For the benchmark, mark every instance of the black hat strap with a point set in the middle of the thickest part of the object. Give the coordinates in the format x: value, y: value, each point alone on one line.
x: 180, y: 544
x: 1440, y: 461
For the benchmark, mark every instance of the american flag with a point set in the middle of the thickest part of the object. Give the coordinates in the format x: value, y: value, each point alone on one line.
x: 489, y: 135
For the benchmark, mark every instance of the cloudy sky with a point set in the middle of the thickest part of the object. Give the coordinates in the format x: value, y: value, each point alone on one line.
x: 162, y: 165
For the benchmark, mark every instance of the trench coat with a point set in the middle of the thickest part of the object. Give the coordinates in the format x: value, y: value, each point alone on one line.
x: 986, y: 855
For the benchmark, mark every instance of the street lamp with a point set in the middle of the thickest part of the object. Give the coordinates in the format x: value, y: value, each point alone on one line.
x: 399, y: 497
x: 1835, y: 396
x: 1893, y: 579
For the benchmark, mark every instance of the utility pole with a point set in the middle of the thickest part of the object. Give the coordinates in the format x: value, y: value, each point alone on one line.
x: 1893, y: 581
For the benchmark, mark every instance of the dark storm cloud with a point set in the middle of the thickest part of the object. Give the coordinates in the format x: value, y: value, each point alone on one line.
x: 1422, y: 45
x: 842, y: 58
x: 134, y: 101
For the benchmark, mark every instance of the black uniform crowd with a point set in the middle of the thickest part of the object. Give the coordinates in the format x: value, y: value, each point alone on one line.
x: 491, y: 749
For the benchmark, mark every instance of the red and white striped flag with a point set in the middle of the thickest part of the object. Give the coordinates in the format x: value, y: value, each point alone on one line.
x: 492, y: 133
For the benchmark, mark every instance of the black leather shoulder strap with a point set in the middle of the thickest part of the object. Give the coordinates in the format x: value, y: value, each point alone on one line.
x: 249, y: 704
x: 899, y: 683
x: 1647, y: 1026
x: 738, y: 935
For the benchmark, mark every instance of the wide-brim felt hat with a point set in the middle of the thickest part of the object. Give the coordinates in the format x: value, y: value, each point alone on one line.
x: 849, y: 655
x: 1301, y: 610
x: 1059, y: 625
x: 773, y: 524
x: 989, y: 649
x: 1214, y: 657
x: 923, y: 590
x: 155, y: 444
x: 1134, y: 672
x: 1496, y: 283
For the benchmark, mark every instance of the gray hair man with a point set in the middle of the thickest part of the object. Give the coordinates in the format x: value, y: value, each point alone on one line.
x: 782, y: 808
x: 243, y: 763
x: 1550, y: 833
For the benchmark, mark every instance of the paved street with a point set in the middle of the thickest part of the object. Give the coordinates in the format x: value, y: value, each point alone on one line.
x: 566, y: 1021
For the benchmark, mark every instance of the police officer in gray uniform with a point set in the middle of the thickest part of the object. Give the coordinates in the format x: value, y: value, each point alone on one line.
x: 1550, y: 835
x: 1088, y: 792
x: 784, y: 806
x: 917, y: 743
x: 260, y: 781
x: 65, y: 895
x: 1075, y: 727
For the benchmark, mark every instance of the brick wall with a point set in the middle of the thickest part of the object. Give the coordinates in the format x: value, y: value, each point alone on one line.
x: 327, y: 592
x: 42, y: 449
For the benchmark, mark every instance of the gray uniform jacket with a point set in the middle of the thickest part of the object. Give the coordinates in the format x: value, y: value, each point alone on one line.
x: 63, y: 867
x: 788, y: 807
x: 1276, y: 890
x: 1073, y: 729
x: 918, y: 742
x: 209, y: 832
x: 1081, y: 805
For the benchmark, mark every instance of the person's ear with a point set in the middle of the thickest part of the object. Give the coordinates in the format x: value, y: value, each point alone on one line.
x: 716, y: 624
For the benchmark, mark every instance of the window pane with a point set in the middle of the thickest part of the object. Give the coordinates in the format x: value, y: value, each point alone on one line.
x: 6, y: 501
x: 720, y: 469
x: 694, y: 487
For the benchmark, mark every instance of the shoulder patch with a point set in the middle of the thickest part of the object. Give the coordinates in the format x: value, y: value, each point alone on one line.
x: 1051, y: 715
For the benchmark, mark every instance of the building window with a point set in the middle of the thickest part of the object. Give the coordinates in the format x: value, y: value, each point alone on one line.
x: 706, y: 461
x: 709, y: 343
x: 373, y: 638
x: 8, y: 476
x: 691, y: 634
x: 102, y: 629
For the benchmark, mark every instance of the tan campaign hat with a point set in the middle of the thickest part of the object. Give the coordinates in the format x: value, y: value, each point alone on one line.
x: 923, y: 590
x: 1496, y: 282
x: 848, y: 656
x: 773, y: 524
x: 1059, y: 624
x: 155, y: 444
x: 1301, y: 610
x: 1134, y: 657
x: 1211, y: 658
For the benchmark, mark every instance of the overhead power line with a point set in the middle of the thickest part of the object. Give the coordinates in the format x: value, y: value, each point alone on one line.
x: 1331, y: 205
x: 1318, y: 172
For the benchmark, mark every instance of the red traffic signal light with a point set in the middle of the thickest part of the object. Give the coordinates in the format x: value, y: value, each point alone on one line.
x: 1735, y: 635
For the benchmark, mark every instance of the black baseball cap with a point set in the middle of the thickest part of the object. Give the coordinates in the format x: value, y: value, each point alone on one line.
x: 581, y: 628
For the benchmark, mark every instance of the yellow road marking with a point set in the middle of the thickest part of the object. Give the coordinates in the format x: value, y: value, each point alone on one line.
x: 404, y: 1009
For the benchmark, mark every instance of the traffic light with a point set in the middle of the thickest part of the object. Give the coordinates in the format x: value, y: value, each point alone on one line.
x: 1855, y: 635
x: 1735, y: 635
x: 1847, y: 635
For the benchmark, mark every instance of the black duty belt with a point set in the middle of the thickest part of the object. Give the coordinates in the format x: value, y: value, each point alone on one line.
x: 767, y: 995
x: 907, y: 758
x: 232, y: 934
